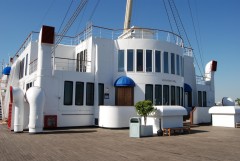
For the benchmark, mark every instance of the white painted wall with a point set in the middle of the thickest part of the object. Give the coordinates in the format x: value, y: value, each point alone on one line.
x: 225, y: 116
x: 201, y: 115
x: 190, y: 77
x: 116, y: 116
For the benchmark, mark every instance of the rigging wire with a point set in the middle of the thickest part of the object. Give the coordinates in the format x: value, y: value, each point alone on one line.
x: 81, y: 5
x: 195, y: 34
x: 65, y: 16
x: 174, y: 17
x: 185, y: 33
x: 91, y: 16
x: 44, y: 16
x: 168, y: 17
x: 95, y: 8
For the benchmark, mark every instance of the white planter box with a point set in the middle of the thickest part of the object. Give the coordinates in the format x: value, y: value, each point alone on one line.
x: 146, y: 130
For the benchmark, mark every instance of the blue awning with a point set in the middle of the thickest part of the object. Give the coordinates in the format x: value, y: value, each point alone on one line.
x: 187, y: 88
x: 124, y: 81
x: 6, y: 71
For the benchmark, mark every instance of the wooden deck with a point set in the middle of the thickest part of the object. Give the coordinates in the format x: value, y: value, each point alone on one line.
x: 203, y: 143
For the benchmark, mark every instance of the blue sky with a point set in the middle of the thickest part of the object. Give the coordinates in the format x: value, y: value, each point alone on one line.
x: 217, y: 26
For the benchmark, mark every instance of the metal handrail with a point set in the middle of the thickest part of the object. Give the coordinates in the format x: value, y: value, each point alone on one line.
x: 114, y: 34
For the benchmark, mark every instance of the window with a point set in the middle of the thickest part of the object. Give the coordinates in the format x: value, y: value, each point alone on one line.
x: 26, y: 65
x: 100, y: 94
x: 165, y: 62
x: 82, y: 61
x: 200, y: 98
x: 204, y: 99
x: 90, y: 94
x: 21, y: 71
x: 182, y: 66
x: 157, y: 61
x: 172, y: 95
x: 172, y: 63
x: 165, y: 95
x: 149, y: 92
x: 78, y: 63
x: 178, y: 65
x: 158, y: 94
x: 148, y: 60
x: 68, y: 92
x: 139, y: 60
x: 79, y: 92
x: 120, y: 60
x: 178, y: 96
x: 28, y: 86
x: 129, y: 60
x: 181, y: 97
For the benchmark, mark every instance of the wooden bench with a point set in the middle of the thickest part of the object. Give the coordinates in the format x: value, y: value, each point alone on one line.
x: 237, y: 125
x: 168, y: 131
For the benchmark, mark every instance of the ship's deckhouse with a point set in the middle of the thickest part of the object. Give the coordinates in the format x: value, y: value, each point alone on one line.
x: 96, y: 77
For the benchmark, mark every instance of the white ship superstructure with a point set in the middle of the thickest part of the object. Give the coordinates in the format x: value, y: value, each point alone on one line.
x: 96, y: 78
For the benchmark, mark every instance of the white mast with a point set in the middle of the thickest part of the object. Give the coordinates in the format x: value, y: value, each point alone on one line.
x: 128, y: 15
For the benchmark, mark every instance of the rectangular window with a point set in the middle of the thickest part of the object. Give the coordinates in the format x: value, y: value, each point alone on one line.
x: 129, y: 60
x: 148, y: 60
x: 165, y: 95
x: 79, y: 93
x: 68, y: 92
x: 172, y: 63
x: 21, y: 70
x: 78, y: 62
x: 149, y: 92
x: 83, y: 61
x: 28, y: 86
x: 204, y: 99
x: 90, y: 94
x: 200, y: 98
x: 26, y: 65
x: 120, y: 60
x: 178, y: 96
x: 139, y: 60
x: 178, y: 65
x: 157, y: 61
x: 181, y: 96
x: 182, y: 66
x: 100, y: 94
x: 158, y: 94
x: 165, y: 62
x: 173, y: 95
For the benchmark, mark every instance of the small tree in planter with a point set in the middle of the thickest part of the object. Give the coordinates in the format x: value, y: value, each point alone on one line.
x: 144, y: 108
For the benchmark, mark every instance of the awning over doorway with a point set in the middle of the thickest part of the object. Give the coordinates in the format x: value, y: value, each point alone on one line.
x: 6, y: 71
x: 124, y: 81
x: 187, y: 88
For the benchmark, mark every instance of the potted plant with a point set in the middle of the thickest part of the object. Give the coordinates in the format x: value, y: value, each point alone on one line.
x: 144, y: 108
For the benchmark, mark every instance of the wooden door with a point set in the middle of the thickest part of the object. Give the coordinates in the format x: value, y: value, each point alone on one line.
x: 124, y: 96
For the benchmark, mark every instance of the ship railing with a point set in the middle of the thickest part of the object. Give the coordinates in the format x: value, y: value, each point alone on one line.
x: 200, y: 80
x: 108, y: 33
x: 33, y: 36
x: 188, y: 51
x: 33, y: 66
x: 133, y: 33
x: 68, y: 64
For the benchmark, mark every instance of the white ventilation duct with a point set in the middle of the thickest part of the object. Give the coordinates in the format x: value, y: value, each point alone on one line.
x: 19, y: 109
x: 36, y: 100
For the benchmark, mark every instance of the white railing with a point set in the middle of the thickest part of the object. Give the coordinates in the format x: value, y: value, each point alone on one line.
x: 200, y: 80
x: 71, y: 65
x: 33, y: 66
